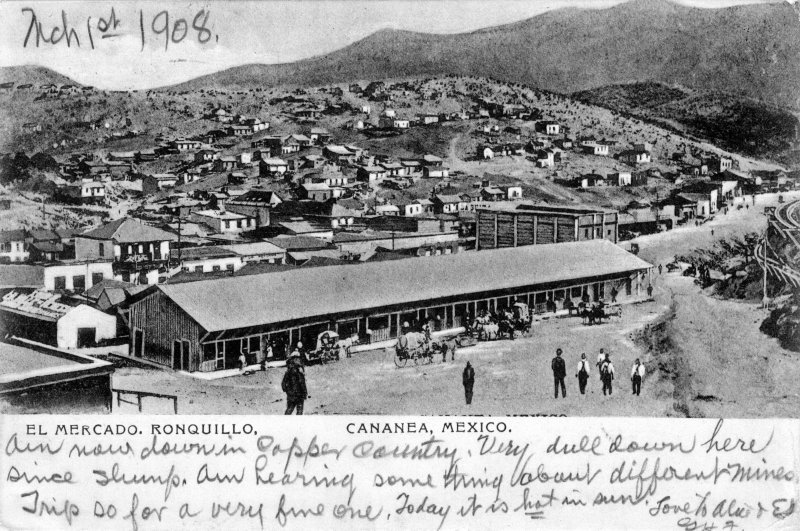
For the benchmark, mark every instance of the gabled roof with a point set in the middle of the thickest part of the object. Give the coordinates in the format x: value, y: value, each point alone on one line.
x: 40, y: 235
x: 238, y: 302
x: 16, y: 235
x: 97, y: 289
x: 255, y: 196
x: 448, y: 198
x: 129, y: 230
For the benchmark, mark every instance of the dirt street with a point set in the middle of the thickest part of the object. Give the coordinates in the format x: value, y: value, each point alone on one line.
x: 720, y: 364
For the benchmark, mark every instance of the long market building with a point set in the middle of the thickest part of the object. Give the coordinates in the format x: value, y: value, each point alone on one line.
x: 206, y: 325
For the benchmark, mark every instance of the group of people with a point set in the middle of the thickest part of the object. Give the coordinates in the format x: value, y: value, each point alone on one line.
x: 604, y: 366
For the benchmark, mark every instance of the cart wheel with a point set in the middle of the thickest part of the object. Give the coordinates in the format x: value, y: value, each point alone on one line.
x: 400, y: 362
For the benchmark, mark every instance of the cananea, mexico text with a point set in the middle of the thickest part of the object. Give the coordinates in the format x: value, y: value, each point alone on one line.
x: 414, y: 427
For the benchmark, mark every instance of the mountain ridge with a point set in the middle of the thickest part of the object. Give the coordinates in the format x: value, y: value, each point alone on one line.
x: 752, y: 50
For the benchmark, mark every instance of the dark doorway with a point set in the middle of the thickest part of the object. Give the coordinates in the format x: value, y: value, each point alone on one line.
x: 86, y: 337
x: 138, y: 343
x: 180, y: 355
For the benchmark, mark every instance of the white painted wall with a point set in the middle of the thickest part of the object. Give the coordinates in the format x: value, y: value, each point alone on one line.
x: 83, y: 316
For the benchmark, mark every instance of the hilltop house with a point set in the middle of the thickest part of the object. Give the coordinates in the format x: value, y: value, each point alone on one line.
x: 548, y: 128
x: 633, y: 157
x: 370, y: 173
x: 152, y: 184
x: 224, y: 222
x: 272, y: 167
x: 339, y: 154
x: 255, y: 203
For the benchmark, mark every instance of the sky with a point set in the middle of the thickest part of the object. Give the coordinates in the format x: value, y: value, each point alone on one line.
x: 150, y: 44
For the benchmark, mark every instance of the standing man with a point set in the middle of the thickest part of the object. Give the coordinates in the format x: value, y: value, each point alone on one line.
x: 559, y: 373
x: 294, y: 385
x: 659, y: 268
x: 600, y: 359
x: 583, y: 373
x: 468, y: 379
x: 614, y: 294
x: 637, y: 374
x: 607, y: 375
x: 649, y: 291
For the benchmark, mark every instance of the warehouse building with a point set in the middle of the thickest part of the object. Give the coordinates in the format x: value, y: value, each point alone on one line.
x: 513, y: 224
x: 48, y: 318
x: 206, y: 325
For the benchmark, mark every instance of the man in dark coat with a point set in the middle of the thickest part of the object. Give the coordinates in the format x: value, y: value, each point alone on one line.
x: 468, y: 379
x: 294, y: 385
x: 559, y: 373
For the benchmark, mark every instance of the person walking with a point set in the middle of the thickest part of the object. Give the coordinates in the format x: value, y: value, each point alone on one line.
x: 294, y: 385
x: 583, y: 373
x: 607, y: 375
x: 660, y: 268
x: 600, y: 359
x: 559, y: 373
x: 649, y: 291
x: 637, y: 374
x: 468, y: 379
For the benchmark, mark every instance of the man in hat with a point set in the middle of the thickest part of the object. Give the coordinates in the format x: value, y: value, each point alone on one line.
x: 468, y: 379
x: 583, y: 373
x: 294, y: 385
x: 637, y: 374
x: 607, y: 375
x: 559, y: 373
x: 600, y: 359
x: 296, y: 357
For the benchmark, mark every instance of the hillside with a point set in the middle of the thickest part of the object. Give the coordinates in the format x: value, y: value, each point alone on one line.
x: 740, y: 125
x: 749, y: 50
x: 36, y: 75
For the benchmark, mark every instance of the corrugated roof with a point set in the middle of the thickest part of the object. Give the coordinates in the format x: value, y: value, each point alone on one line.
x: 254, y: 300
x: 129, y: 230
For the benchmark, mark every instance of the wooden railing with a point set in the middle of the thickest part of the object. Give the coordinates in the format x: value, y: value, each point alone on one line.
x: 140, y: 394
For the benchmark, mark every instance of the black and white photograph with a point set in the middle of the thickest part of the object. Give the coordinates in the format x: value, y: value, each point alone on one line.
x: 400, y: 264
x: 538, y: 208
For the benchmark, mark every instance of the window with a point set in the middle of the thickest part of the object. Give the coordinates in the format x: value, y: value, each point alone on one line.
x: 215, y: 268
x: 79, y: 283
x: 101, y: 249
x: 229, y: 267
x: 97, y: 278
x: 60, y: 283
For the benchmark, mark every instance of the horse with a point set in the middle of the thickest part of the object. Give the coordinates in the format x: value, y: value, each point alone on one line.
x: 348, y: 343
x: 486, y: 331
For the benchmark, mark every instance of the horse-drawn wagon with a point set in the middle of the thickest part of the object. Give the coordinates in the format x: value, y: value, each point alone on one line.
x: 416, y: 347
x: 328, y: 348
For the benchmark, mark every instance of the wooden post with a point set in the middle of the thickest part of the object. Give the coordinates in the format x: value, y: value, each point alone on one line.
x: 139, y: 400
x: 516, y: 218
x: 535, y: 227
x: 175, y: 404
x: 555, y: 229
x: 495, y: 231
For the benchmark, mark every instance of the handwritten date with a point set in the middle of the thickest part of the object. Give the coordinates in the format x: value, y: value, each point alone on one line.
x: 164, y: 26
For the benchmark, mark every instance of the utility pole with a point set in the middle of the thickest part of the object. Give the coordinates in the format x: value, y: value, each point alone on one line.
x: 179, y: 235
x: 766, y: 243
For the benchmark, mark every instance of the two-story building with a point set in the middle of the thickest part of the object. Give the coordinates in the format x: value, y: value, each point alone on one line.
x: 12, y: 246
x: 138, y: 251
